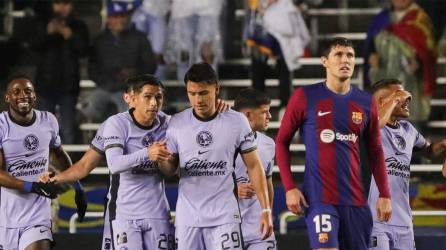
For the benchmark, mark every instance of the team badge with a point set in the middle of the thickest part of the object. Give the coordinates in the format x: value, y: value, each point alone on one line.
x: 357, y: 117
x: 31, y: 142
x: 121, y: 238
x: 147, y: 140
x: 204, y: 138
x: 323, y: 237
x: 399, y: 142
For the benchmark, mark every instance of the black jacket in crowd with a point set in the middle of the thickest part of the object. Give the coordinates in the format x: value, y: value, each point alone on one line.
x: 115, y: 58
x: 58, y: 69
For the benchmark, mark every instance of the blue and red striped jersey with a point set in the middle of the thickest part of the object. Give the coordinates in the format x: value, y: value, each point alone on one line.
x: 332, y: 126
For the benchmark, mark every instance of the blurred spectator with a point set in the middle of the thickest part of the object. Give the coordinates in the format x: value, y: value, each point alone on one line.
x: 274, y: 29
x: 118, y: 52
x: 60, y: 43
x: 196, y: 33
x: 151, y: 19
x: 400, y: 45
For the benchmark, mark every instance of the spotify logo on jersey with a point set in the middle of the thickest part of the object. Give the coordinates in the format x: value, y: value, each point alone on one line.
x: 327, y: 135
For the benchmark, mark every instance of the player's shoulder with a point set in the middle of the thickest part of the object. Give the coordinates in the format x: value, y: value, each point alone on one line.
x: 180, y: 116
x: 45, y: 116
x: 118, y: 119
x: 266, y: 140
x: 163, y: 118
x: 232, y: 114
x: 407, y: 126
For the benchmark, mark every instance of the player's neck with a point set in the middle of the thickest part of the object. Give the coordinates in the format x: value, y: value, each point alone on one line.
x: 23, y: 120
x: 393, y: 122
x: 207, y: 116
x: 338, y: 86
x: 141, y: 121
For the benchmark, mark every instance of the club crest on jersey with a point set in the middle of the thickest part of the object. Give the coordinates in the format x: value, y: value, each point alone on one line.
x: 204, y: 138
x: 121, y: 238
x: 323, y: 237
x: 147, y: 140
x: 31, y: 142
x: 399, y: 142
x: 357, y: 117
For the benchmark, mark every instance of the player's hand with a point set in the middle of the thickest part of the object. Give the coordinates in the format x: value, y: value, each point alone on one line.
x: 81, y: 204
x: 46, y: 177
x: 222, y: 105
x: 294, y: 201
x: 48, y: 190
x: 245, y: 190
x: 384, y: 209
x: 266, y: 224
x: 158, y: 151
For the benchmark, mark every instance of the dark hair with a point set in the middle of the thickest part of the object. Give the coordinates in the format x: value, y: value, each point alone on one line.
x: 136, y: 83
x: 250, y: 98
x: 384, y: 83
x: 201, y: 73
x: 16, y: 76
x: 334, y: 42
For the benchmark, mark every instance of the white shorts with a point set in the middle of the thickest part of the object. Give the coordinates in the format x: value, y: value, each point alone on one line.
x: 261, y: 245
x: 20, y: 238
x: 387, y: 237
x: 225, y: 237
x: 142, y: 234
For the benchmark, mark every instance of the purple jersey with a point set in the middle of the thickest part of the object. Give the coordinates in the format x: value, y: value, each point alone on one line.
x: 137, y: 193
x: 250, y: 208
x: 206, y: 151
x: 398, y: 143
x: 98, y: 141
x: 26, y: 152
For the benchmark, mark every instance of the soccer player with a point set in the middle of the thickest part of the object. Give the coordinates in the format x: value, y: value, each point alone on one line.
x: 29, y: 140
x: 255, y: 105
x: 333, y: 118
x: 87, y: 163
x: 138, y: 207
x: 399, y: 138
x: 201, y: 146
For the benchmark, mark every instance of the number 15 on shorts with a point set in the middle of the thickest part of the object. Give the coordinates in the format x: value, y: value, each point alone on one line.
x: 322, y: 223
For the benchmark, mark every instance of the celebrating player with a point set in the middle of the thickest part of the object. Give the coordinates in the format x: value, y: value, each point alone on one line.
x: 399, y: 138
x: 203, y: 144
x: 333, y: 117
x: 29, y: 139
x: 255, y: 106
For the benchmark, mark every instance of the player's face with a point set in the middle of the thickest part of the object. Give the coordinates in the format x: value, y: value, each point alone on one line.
x: 20, y: 96
x: 148, y: 102
x: 401, y: 110
x: 259, y: 118
x: 340, y: 62
x: 202, y: 97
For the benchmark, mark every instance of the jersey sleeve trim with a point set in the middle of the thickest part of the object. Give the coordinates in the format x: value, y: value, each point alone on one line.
x: 114, y: 146
x: 97, y: 149
x: 248, y: 150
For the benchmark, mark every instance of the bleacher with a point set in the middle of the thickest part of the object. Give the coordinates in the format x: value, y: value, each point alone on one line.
x: 324, y: 23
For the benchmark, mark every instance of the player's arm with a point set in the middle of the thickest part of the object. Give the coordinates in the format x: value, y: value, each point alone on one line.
x: 433, y: 150
x: 269, y: 184
x: 80, y: 169
x: 8, y: 181
x: 59, y: 158
x: 292, y: 120
x: 377, y: 164
x: 167, y: 162
x: 257, y: 176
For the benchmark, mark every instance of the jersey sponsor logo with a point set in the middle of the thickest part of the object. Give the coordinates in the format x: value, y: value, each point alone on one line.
x: 198, y: 167
x: 147, y: 167
x: 397, y: 168
x: 204, y: 138
x: 357, y: 117
x: 43, y: 230
x: 31, y: 142
x: 328, y: 136
x: 249, y: 137
x: 107, y: 243
x: 24, y: 168
x: 320, y: 113
x: 400, y: 142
